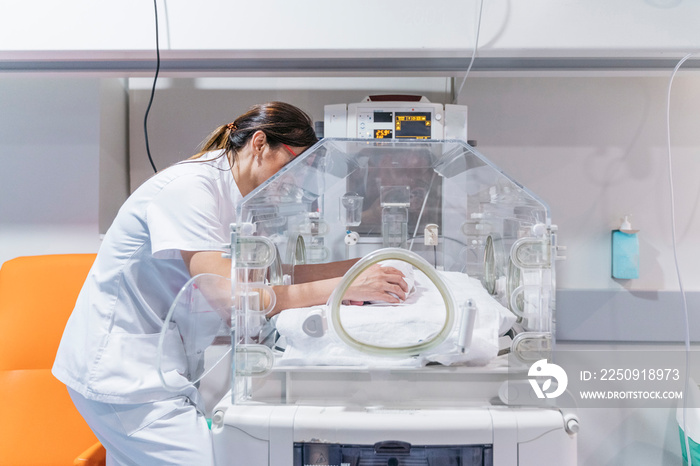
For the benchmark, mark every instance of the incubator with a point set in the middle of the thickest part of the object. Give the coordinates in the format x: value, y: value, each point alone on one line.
x: 428, y: 381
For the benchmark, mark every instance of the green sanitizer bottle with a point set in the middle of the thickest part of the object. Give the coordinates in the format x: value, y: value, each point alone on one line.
x: 625, y: 252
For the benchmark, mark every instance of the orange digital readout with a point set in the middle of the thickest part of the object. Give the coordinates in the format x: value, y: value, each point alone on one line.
x: 410, y: 118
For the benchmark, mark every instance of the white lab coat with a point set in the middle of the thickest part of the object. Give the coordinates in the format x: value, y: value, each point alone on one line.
x: 108, y: 350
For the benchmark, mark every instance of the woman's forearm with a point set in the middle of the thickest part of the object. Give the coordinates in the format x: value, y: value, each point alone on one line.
x: 304, y: 294
x: 311, y: 272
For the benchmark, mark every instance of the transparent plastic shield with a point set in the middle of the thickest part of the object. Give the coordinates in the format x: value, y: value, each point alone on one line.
x: 487, y: 237
x: 201, y: 313
x: 336, y: 197
x: 253, y: 300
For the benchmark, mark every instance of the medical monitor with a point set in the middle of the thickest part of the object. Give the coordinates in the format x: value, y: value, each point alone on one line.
x: 395, y: 118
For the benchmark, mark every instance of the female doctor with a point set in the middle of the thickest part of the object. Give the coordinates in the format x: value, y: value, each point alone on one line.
x: 169, y: 230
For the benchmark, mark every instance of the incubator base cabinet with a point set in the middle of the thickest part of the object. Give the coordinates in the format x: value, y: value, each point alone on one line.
x: 285, y: 435
x: 429, y: 416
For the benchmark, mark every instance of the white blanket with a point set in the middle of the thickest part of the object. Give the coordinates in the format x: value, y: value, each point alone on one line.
x: 418, y: 318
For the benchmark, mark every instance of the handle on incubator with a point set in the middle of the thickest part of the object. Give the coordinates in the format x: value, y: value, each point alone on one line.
x: 531, y: 253
x: 529, y: 347
x: 254, y: 252
x: 253, y: 360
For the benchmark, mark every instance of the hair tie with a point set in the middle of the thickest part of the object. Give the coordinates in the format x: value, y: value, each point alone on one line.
x: 232, y: 127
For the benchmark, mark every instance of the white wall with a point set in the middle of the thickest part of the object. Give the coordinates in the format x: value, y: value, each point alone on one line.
x: 48, y: 147
x: 114, y: 149
x: 509, y: 28
x: 595, y: 149
x: 51, y: 142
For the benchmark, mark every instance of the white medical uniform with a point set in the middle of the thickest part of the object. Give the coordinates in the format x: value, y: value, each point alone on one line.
x: 107, y: 356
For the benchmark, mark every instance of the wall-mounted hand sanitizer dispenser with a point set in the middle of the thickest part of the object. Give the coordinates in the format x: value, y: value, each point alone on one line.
x: 625, y: 252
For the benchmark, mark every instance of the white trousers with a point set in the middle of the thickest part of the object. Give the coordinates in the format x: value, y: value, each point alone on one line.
x: 168, y: 432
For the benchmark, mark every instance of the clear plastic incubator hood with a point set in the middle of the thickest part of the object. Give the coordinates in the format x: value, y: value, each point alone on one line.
x: 478, y: 251
x: 441, y: 201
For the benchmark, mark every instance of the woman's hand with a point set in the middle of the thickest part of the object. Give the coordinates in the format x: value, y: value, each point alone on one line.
x: 377, y: 283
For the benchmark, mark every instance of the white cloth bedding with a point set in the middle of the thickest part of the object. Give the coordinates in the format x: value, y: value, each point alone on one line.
x: 419, y: 317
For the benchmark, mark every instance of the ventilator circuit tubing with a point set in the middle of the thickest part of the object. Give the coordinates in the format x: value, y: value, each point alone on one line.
x: 336, y: 298
x: 675, y: 256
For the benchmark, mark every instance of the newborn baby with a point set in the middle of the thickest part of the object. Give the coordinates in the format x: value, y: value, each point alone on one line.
x: 406, y: 269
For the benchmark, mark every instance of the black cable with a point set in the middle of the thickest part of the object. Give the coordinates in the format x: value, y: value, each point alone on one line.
x: 153, y: 92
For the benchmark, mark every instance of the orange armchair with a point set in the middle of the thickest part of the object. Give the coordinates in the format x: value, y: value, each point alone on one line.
x: 38, y: 423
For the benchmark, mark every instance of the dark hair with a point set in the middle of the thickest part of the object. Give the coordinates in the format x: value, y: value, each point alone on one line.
x: 282, y: 123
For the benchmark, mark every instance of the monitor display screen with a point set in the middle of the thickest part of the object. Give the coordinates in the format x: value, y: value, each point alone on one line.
x: 382, y: 134
x: 383, y: 117
x: 416, y: 125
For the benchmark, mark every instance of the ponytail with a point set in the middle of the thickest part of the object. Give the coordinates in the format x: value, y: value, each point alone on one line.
x: 282, y: 123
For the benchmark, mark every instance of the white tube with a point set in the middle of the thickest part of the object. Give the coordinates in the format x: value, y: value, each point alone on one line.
x: 466, y: 328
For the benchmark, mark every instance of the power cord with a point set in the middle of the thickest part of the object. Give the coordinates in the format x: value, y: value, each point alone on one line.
x: 471, y: 62
x: 675, y: 258
x: 153, y: 91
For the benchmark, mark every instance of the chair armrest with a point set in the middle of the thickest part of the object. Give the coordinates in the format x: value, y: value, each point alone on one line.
x: 93, y: 456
